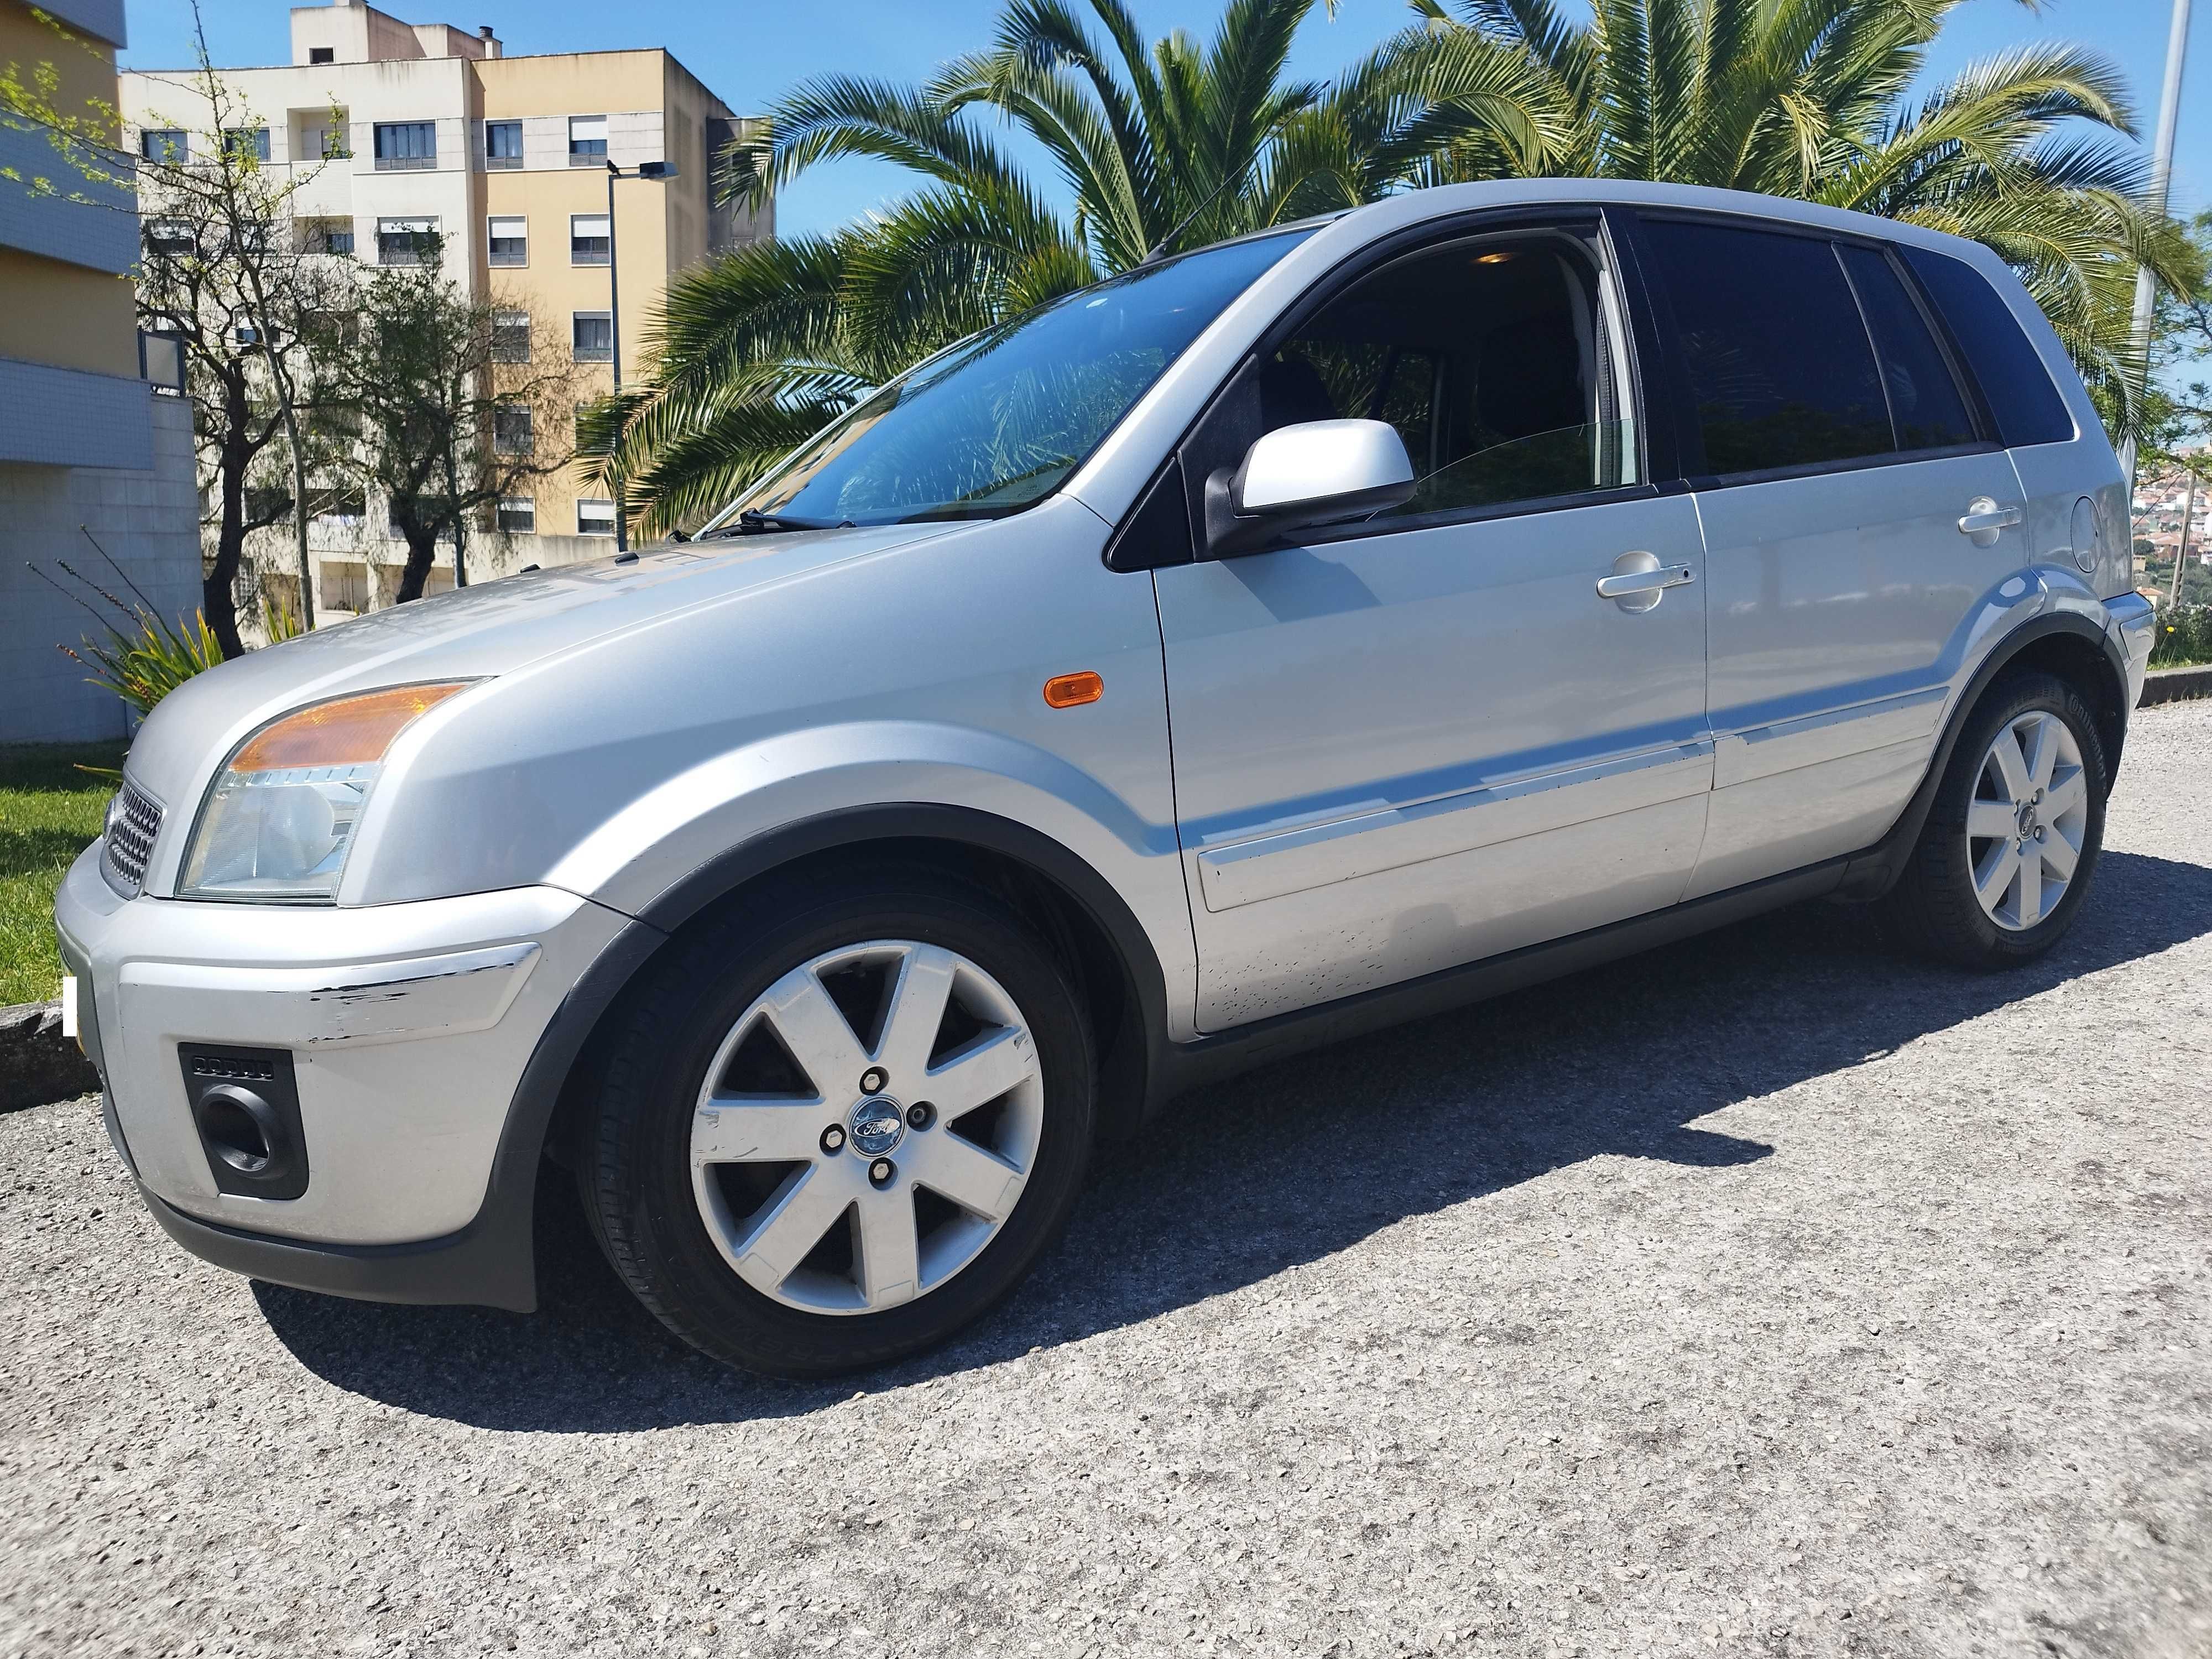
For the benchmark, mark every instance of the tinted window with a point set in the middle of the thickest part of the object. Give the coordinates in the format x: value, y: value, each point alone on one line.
x: 1924, y: 404
x: 1779, y: 363
x: 2017, y: 387
x: 1490, y: 360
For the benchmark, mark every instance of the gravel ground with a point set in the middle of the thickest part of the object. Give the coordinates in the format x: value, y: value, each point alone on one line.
x: 1765, y: 1295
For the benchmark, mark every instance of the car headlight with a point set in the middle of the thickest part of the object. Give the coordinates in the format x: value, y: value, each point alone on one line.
x: 279, y: 821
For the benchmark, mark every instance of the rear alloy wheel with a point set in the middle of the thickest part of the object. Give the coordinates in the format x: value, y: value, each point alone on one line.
x: 841, y: 1123
x: 2028, y: 820
x: 2005, y: 858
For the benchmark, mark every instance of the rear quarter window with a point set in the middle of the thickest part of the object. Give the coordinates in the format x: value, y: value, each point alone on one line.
x: 2025, y: 404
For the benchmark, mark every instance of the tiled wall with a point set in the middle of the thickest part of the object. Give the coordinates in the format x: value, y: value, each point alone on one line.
x: 147, y: 521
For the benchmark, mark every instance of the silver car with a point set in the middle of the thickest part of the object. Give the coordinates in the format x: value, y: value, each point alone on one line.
x: 1267, y: 644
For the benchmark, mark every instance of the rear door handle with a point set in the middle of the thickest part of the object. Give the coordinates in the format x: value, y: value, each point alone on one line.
x: 1984, y: 519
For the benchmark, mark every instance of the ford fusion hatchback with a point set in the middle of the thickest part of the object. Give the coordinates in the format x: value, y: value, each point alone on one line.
x: 1263, y: 645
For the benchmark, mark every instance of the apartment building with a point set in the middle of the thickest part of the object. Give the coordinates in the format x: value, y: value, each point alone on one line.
x: 402, y: 130
x: 96, y: 469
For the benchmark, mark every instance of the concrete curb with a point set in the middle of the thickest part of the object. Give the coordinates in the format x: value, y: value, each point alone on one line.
x: 38, y: 1064
x: 2171, y: 684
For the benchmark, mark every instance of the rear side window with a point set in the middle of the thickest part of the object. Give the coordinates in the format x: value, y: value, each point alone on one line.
x: 1779, y: 363
x: 2013, y: 381
x: 1925, y: 402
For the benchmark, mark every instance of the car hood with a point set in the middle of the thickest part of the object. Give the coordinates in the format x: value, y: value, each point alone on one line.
x: 477, y: 632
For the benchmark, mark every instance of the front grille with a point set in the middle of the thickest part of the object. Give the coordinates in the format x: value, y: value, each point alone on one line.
x: 133, y: 819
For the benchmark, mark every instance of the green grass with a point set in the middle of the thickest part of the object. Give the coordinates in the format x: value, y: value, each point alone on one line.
x: 49, y: 812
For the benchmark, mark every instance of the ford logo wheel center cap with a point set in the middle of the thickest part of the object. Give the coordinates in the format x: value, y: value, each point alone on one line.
x: 877, y: 1126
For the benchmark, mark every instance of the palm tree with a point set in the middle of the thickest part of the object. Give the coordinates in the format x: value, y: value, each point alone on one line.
x: 1160, y: 145
x: 1812, y: 98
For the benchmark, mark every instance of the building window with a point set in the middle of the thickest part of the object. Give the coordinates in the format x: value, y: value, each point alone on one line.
x: 587, y: 140
x: 510, y: 241
x: 503, y: 144
x: 595, y: 518
x: 406, y: 241
x: 246, y: 141
x: 322, y: 54
x: 594, y: 336
x: 164, y: 144
x: 327, y: 236
x: 591, y: 238
x: 327, y: 140
x: 340, y: 505
x: 517, y: 516
x: 511, y: 433
x: 510, y: 337
x: 173, y: 237
x: 406, y: 146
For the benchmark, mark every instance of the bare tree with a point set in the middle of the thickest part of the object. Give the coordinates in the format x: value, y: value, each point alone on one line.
x: 223, y: 269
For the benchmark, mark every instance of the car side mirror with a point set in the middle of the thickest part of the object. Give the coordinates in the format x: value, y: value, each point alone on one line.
x: 1296, y: 476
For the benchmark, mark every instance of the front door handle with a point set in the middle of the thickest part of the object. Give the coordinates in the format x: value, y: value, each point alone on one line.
x: 1984, y: 519
x: 1639, y: 581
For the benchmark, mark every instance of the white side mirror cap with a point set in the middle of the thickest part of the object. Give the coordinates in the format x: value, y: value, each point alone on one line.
x: 1322, y: 470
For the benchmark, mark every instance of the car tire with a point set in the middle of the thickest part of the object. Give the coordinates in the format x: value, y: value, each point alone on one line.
x: 1985, y: 900
x: 701, y: 1212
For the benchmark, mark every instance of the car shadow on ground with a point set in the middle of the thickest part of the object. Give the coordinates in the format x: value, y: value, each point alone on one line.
x: 1284, y: 1166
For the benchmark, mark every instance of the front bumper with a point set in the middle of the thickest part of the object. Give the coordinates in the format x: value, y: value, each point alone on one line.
x: 410, y: 1029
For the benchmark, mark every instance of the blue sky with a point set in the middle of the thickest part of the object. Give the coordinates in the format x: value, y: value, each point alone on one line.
x: 750, y: 53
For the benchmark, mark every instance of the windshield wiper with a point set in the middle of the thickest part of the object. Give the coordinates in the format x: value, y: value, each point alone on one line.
x: 751, y: 523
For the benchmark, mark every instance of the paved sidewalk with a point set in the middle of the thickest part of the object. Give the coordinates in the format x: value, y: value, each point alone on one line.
x: 1766, y: 1295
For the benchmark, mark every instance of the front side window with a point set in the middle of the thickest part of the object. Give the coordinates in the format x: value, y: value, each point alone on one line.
x: 502, y: 144
x: 593, y: 334
x: 406, y: 146
x: 587, y: 140
x: 509, y: 240
x: 1779, y: 367
x: 591, y: 238
x: 1497, y: 360
x: 995, y: 423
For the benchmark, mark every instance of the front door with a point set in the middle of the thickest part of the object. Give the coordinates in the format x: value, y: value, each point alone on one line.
x: 1840, y: 457
x: 1426, y: 738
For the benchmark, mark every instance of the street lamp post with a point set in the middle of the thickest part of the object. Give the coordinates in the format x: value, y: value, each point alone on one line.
x: 659, y: 173
x: 2161, y: 173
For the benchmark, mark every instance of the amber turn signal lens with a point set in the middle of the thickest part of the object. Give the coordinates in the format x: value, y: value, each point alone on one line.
x: 347, y: 732
x: 1071, y: 690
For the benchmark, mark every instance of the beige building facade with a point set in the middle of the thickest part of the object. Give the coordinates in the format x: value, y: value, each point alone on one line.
x: 399, y: 129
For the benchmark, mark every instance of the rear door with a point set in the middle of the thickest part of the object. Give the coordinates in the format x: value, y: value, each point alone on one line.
x: 1833, y: 455
x: 2070, y: 481
x: 1405, y: 743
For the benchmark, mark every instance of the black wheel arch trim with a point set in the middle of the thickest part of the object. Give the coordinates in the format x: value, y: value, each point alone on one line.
x: 1872, y: 873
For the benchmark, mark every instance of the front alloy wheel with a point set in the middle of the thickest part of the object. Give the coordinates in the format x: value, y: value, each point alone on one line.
x: 841, y: 1119
x: 917, y: 1146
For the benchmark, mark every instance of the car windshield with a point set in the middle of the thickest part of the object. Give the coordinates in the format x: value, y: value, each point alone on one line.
x: 994, y: 424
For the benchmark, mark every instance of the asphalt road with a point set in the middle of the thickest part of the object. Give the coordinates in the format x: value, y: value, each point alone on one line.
x: 1765, y: 1295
